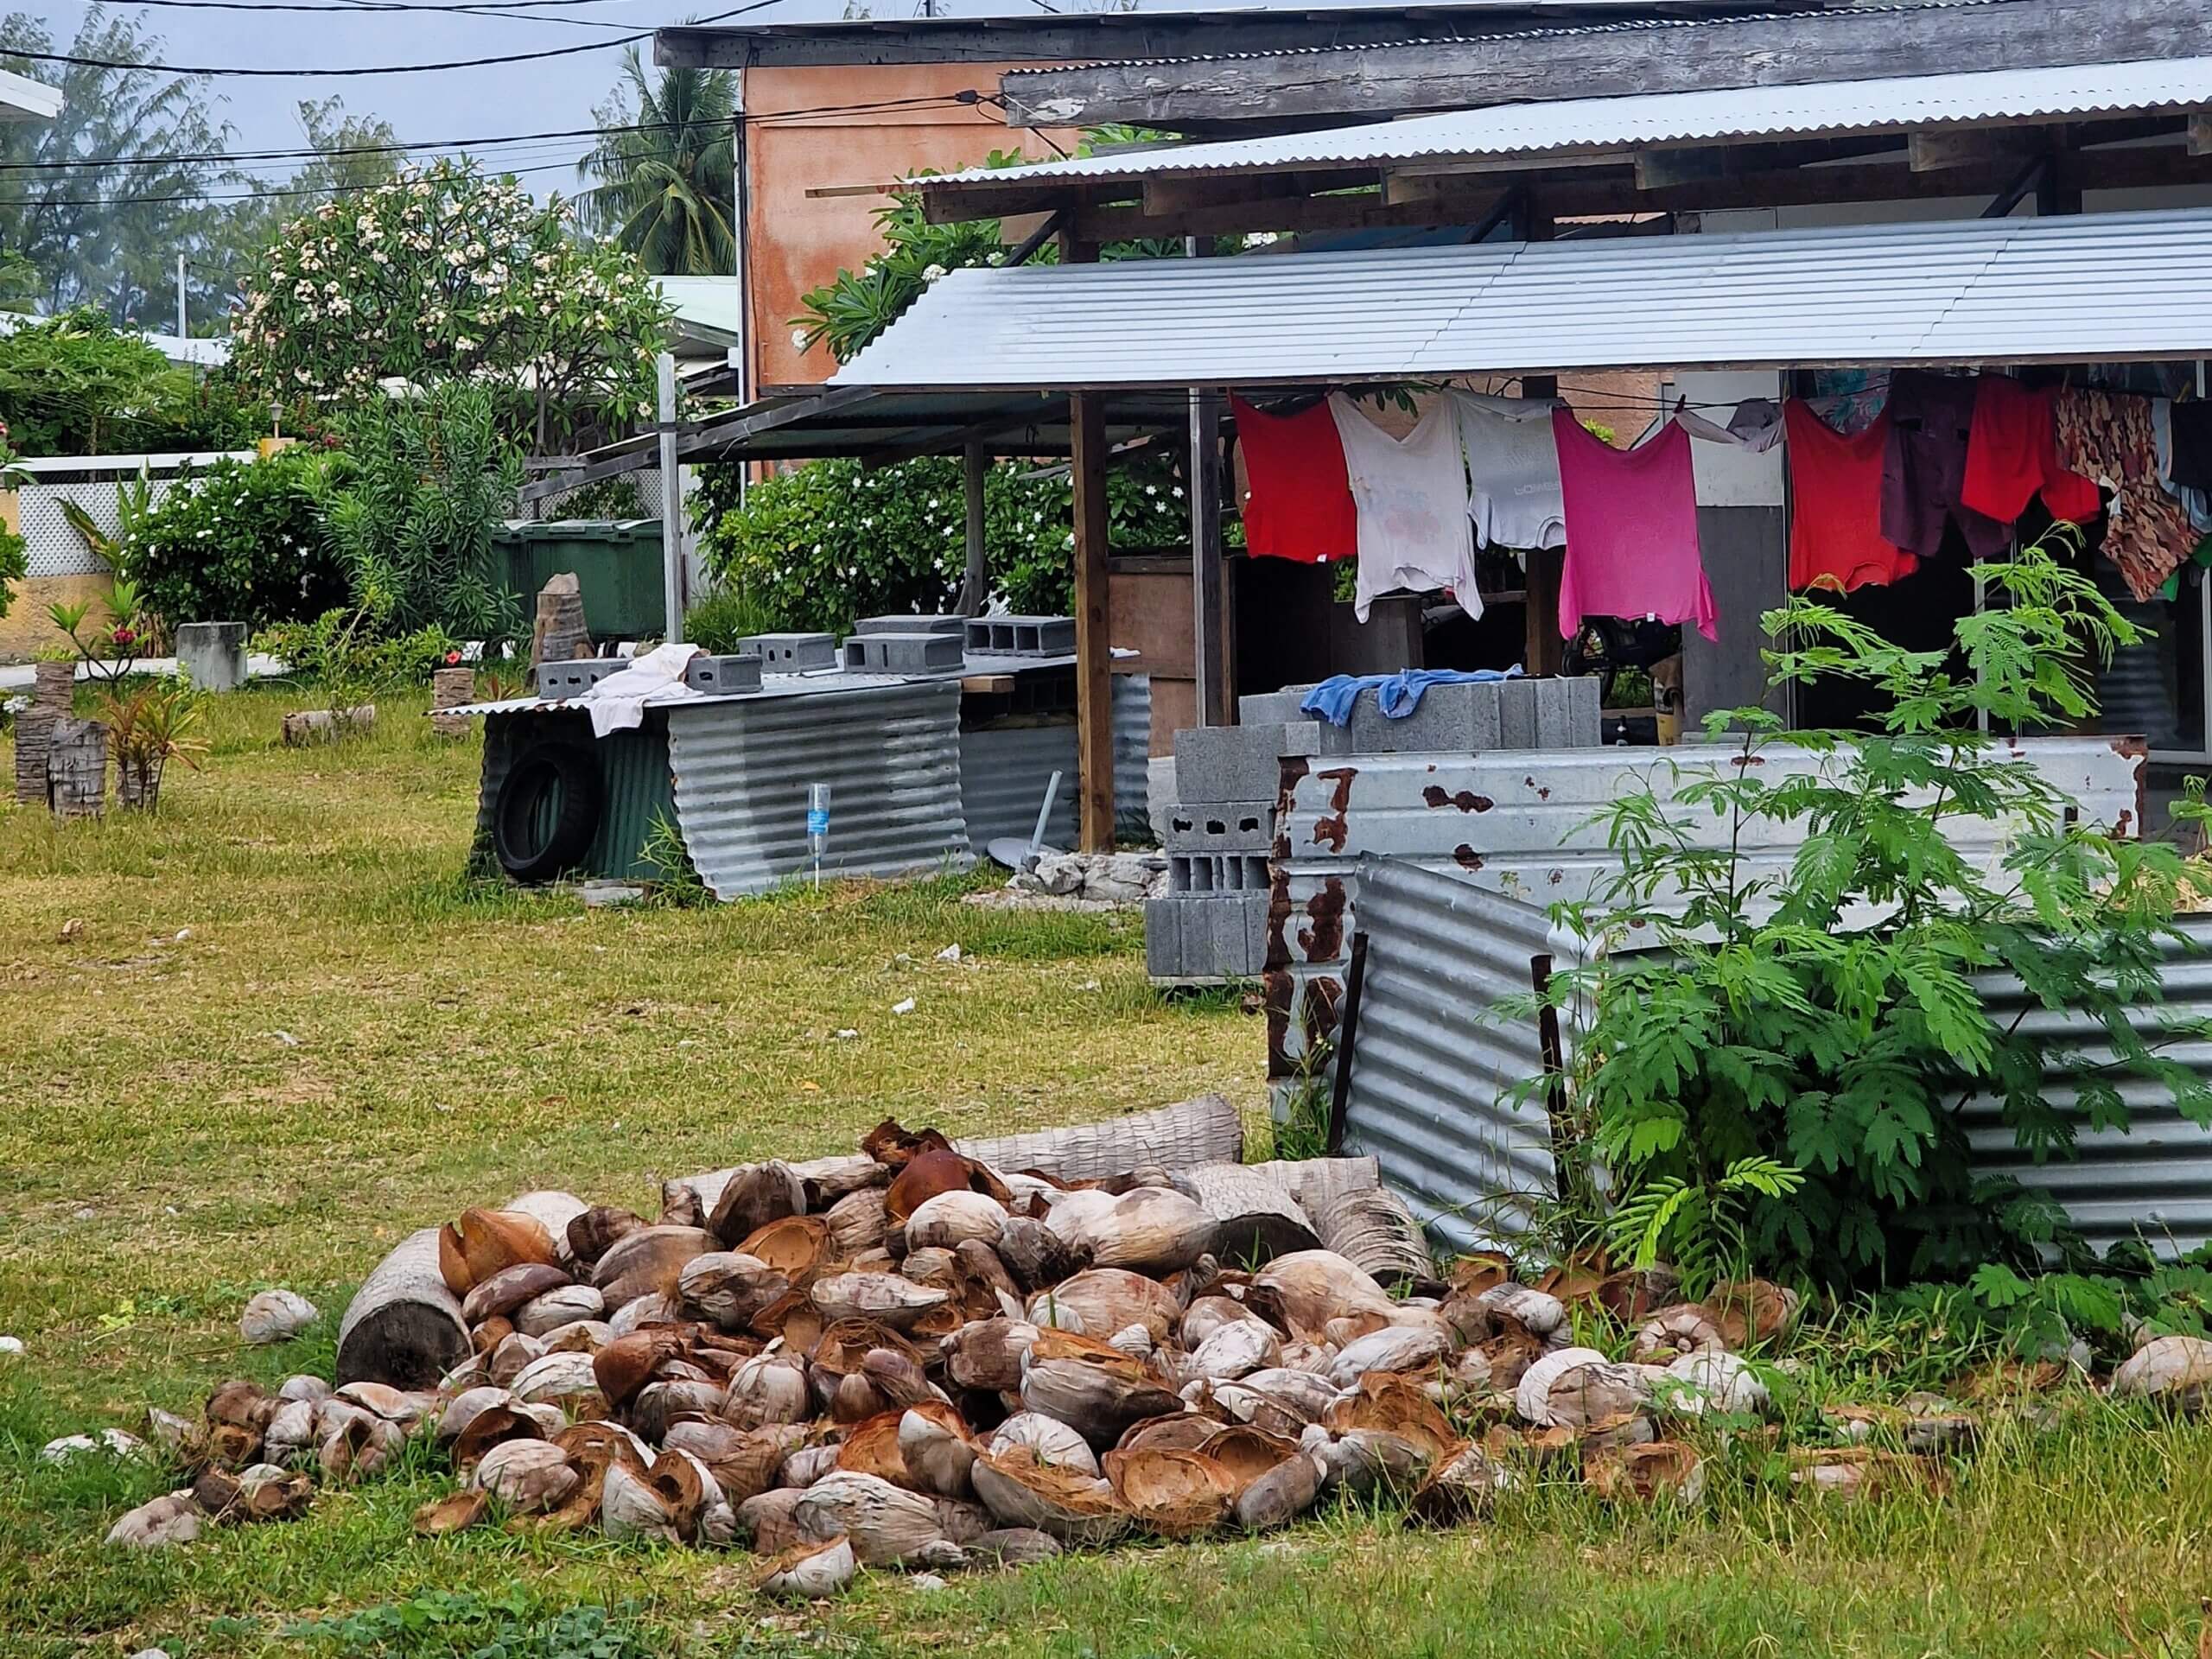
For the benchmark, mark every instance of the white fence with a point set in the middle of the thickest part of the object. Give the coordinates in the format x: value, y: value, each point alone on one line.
x: 52, y: 546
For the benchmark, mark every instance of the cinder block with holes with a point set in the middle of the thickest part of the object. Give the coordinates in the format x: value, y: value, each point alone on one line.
x: 1238, y: 763
x: 1221, y: 827
x: 790, y: 653
x: 1021, y: 636
x: 1206, y: 872
x: 575, y: 677
x: 723, y: 677
x: 905, y: 653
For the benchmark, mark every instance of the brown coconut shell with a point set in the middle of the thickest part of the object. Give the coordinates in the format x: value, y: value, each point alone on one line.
x: 987, y: 1354
x: 1037, y: 1257
x: 649, y: 1262
x: 1459, y: 1487
x: 480, y: 1243
x: 1246, y: 1452
x: 452, y: 1513
x: 499, y: 1294
x: 1094, y: 1387
x: 1108, y: 1299
x: 1186, y: 1431
x: 930, y: 1172
x: 753, y: 1197
x: 793, y: 1246
x: 1752, y: 1310
x: 494, y: 1426
x: 598, y: 1231
x: 1069, y: 1505
x: 872, y: 1448
x: 1481, y: 1271
x: 883, y: 1298
x: 1176, y: 1494
x: 627, y: 1364
x: 1655, y: 1469
x: 857, y: 1224
x: 894, y: 1146
x: 1395, y: 1404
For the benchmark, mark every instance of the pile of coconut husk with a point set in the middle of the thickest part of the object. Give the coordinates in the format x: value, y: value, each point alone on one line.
x: 940, y: 1356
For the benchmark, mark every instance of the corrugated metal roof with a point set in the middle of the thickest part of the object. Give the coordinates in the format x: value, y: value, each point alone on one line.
x: 1897, y: 104
x: 2097, y: 288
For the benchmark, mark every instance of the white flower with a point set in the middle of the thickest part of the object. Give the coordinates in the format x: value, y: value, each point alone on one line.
x: 799, y: 337
x: 931, y: 273
x: 1151, y: 489
x: 1261, y: 240
x: 1178, y: 492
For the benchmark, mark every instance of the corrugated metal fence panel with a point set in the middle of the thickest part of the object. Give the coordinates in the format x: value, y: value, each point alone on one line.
x: 2154, y: 1181
x: 1431, y: 1076
x: 1519, y: 824
x: 1132, y: 749
x: 1892, y: 102
x: 890, y: 753
x: 1003, y: 774
x: 633, y: 777
x: 2081, y: 289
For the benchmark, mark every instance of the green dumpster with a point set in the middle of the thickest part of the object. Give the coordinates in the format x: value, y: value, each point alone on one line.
x: 617, y: 564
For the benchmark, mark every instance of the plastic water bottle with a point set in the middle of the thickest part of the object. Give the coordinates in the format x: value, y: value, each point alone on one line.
x: 818, y: 825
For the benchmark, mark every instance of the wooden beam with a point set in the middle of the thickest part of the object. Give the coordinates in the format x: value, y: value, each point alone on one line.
x: 1946, y: 152
x: 1376, y: 82
x: 1094, y: 656
x: 976, y: 578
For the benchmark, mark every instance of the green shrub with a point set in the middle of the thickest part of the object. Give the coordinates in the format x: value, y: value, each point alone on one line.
x: 75, y: 385
x: 342, y: 649
x: 1822, y: 1019
x: 832, y: 542
x: 722, y: 617
x: 239, y: 541
x: 15, y: 565
x: 411, y: 517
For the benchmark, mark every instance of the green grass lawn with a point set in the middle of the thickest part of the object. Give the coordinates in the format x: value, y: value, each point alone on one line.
x: 254, y: 1042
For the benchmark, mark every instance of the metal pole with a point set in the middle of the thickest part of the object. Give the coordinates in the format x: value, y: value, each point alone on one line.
x: 975, y: 580
x: 183, y: 321
x: 671, y: 505
x: 1209, y: 605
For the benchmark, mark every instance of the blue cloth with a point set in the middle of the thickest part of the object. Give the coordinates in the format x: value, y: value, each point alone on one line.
x: 1397, y: 695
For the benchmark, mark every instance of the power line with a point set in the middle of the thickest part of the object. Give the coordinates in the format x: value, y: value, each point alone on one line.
x: 335, y: 152
x: 239, y: 72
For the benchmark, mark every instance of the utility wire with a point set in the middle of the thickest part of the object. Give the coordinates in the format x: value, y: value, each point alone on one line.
x: 239, y: 72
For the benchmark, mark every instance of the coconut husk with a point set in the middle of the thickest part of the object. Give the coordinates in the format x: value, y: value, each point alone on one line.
x: 1684, y: 1328
x: 937, y: 1449
x: 1313, y: 1287
x: 1632, y: 1293
x: 480, y: 1243
x: 1151, y: 1230
x: 987, y: 1354
x: 771, y: 1519
x: 931, y: 1265
x: 1577, y: 1387
x: 1048, y: 1440
x: 894, y: 1146
x: 1093, y: 1388
x: 767, y: 1389
x: 1752, y: 1310
x: 883, y: 1298
x: 872, y: 1448
x: 558, y: 1308
x: 729, y: 1287
x: 487, y: 1336
x: 810, y: 1572
x: 527, y: 1476
x: 1102, y: 1300
x: 503, y: 1292
x: 1072, y: 1506
x: 1460, y: 1488
x: 1394, y: 1405
x: 887, y: 1523
x: 1522, y: 1309
x: 452, y: 1513
x: 2176, y: 1370
x: 1013, y: 1547
x: 845, y: 1345
x: 1396, y: 1348
x: 1245, y: 1452
x: 755, y: 1195
x: 857, y: 1222
x: 794, y: 1246
x: 1655, y: 1470
x: 1279, y: 1497
x: 1576, y: 1280
x: 928, y: 1173
x: 987, y: 1289
x: 1176, y: 1494
x: 1481, y: 1270
x: 649, y: 1262
x: 598, y: 1231
x: 1037, y: 1257
x: 1613, y: 1434
x: 1186, y: 1431
x: 1863, y: 1472
x: 627, y: 1364
x: 945, y: 1219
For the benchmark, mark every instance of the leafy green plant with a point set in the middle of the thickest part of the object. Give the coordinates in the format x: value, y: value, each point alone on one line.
x: 343, y: 661
x: 820, y: 546
x: 723, y: 616
x: 1697, y: 1227
x: 108, y: 642
x: 134, y: 499
x: 462, y: 1624
x: 75, y: 385
x: 676, y: 879
x: 151, y: 723
x: 1824, y: 1016
x: 412, y: 518
x: 239, y: 541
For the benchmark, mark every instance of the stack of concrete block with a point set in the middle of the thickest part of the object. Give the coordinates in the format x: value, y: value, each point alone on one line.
x: 1218, y: 832
x: 1462, y: 719
x: 791, y: 653
x: 1021, y: 636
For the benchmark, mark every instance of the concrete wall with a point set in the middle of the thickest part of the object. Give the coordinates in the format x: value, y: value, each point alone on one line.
x: 794, y: 242
x: 27, y: 628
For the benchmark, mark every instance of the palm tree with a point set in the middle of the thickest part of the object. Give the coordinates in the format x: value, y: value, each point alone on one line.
x: 665, y: 166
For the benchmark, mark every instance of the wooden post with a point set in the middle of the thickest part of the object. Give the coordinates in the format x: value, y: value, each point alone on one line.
x: 55, y: 688
x: 1094, y: 661
x: 1209, y: 602
x: 976, y: 585
x: 76, y: 768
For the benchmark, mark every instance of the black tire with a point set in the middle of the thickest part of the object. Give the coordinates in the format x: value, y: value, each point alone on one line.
x: 528, y: 848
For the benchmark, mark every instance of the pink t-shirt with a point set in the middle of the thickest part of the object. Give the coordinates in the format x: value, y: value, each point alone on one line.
x: 1631, y: 531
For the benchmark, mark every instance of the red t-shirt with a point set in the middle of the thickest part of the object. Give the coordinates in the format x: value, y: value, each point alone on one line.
x: 1835, y: 491
x: 1299, y: 505
x: 2012, y: 454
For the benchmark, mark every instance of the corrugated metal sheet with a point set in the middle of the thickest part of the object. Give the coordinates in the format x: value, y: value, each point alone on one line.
x: 2153, y: 1182
x: 1003, y: 773
x: 1519, y: 824
x: 1893, y: 104
x: 1433, y: 1060
x: 1431, y: 1081
x: 890, y: 753
x: 1132, y: 749
x: 2101, y: 287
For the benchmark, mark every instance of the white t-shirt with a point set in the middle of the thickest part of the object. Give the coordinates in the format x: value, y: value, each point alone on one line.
x: 1412, y: 499
x: 1513, y: 461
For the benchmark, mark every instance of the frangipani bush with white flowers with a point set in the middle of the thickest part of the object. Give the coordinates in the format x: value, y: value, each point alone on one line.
x: 445, y: 273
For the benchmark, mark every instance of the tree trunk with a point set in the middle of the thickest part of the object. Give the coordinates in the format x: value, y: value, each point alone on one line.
x: 327, y: 725
x: 138, y: 783
x: 404, y: 1326
x: 1375, y: 1230
x: 54, y: 687
x: 76, y: 768
x: 451, y: 687
x: 1252, y: 1205
x: 1207, y: 1130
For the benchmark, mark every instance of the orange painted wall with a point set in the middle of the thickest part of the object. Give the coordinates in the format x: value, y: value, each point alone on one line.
x: 793, y: 242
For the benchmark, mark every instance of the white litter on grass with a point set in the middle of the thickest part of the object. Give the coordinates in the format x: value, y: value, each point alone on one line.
x: 950, y: 953
x: 12, y: 1347
x: 926, y: 1581
x: 286, y: 1038
x: 848, y: 1033
x: 182, y: 934
x: 907, y: 1007
x: 113, y: 1441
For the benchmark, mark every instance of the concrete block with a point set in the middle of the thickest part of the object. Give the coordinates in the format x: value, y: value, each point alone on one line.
x: 954, y: 624
x: 576, y: 677
x: 1221, y: 827
x: 1213, y: 873
x: 905, y: 653
x: 1448, y: 719
x: 1163, y: 938
x: 789, y: 653
x: 721, y: 677
x: 1231, y: 949
x: 1160, y: 794
x: 1238, y: 763
x: 1021, y: 636
x: 1567, y: 713
x: 1516, y: 714
x: 1273, y: 708
x: 213, y: 654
